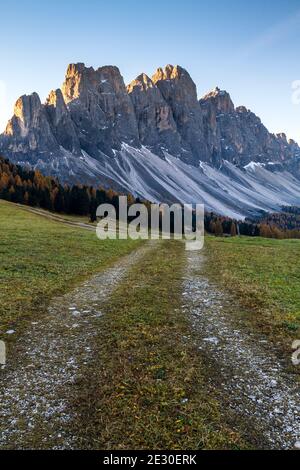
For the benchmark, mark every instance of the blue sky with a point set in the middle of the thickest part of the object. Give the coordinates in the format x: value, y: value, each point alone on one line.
x: 251, y: 49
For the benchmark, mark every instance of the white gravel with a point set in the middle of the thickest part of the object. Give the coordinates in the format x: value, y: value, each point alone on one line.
x: 36, y: 383
x: 254, y: 382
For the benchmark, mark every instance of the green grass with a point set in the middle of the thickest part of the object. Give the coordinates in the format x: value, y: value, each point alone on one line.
x: 264, y: 274
x: 148, y: 388
x: 41, y: 258
x: 65, y: 217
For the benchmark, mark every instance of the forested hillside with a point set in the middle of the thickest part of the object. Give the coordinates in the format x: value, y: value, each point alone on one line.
x: 27, y: 186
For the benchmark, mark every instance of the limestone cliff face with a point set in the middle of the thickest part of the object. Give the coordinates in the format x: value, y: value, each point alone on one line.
x: 94, y: 112
x: 100, y: 108
x: 156, y: 126
x: 29, y: 129
x: 62, y: 125
x: 179, y: 91
x: 238, y: 135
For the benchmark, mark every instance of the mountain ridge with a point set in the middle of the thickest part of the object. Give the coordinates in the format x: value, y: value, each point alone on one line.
x: 85, y: 131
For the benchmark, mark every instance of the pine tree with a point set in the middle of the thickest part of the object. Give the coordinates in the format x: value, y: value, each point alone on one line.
x: 93, y: 210
x: 218, y: 229
x: 212, y: 227
x: 59, y: 201
x: 233, y: 229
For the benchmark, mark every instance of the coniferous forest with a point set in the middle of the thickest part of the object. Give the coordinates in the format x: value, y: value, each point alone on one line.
x: 30, y: 187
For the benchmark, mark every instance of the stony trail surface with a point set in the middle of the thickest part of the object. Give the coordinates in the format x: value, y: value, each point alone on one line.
x: 256, y: 390
x: 37, y: 383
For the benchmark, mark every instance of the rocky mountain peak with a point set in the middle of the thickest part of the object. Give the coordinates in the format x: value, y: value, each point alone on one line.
x: 175, y: 82
x: 242, y: 109
x: 62, y: 126
x: 180, y: 93
x: 28, y: 130
x: 27, y: 109
x: 238, y: 135
x: 28, y: 112
x: 81, y: 81
x: 100, y: 108
x: 95, y: 113
x: 282, y: 136
x: 73, y: 80
x: 56, y: 106
x: 156, y: 126
x: 55, y: 99
x: 219, y: 99
x: 143, y: 82
x: 169, y: 72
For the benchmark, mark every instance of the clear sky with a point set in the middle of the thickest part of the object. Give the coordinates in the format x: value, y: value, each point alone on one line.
x: 251, y: 49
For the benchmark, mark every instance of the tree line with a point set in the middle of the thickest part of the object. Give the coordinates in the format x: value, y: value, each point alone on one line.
x: 27, y: 186
x: 274, y: 225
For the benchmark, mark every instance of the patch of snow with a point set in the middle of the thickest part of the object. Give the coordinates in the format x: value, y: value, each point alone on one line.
x: 253, y: 165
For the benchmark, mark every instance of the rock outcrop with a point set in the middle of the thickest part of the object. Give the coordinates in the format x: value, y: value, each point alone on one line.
x: 179, y: 91
x: 238, y: 135
x: 29, y: 131
x: 95, y: 114
x: 100, y: 108
x: 62, y: 125
x: 156, y: 126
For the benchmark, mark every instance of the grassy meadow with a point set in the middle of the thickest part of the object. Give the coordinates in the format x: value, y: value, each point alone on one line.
x: 40, y: 258
x: 149, y: 384
x: 264, y: 275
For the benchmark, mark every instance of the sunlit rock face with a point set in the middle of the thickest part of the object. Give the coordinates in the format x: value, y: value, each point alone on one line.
x: 96, y: 113
x: 100, y: 108
x: 153, y: 138
x: 179, y: 91
x: 29, y: 130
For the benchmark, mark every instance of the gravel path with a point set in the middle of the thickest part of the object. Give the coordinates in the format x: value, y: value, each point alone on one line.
x: 255, y: 386
x: 37, y: 385
x: 38, y: 382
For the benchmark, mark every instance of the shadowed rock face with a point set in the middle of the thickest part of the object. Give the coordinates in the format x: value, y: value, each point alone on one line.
x: 94, y: 118
x: 237, y: 134
x: 62, y: 125
x: 156, y: 125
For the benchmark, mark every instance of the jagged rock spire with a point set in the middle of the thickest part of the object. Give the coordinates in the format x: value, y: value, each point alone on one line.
x: 94, y: 112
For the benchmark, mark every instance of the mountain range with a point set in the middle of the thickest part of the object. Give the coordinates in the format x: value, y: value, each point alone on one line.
x: 155, y: 139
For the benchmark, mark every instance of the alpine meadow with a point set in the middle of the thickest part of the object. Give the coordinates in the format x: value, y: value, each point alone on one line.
x: 150, y: 232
